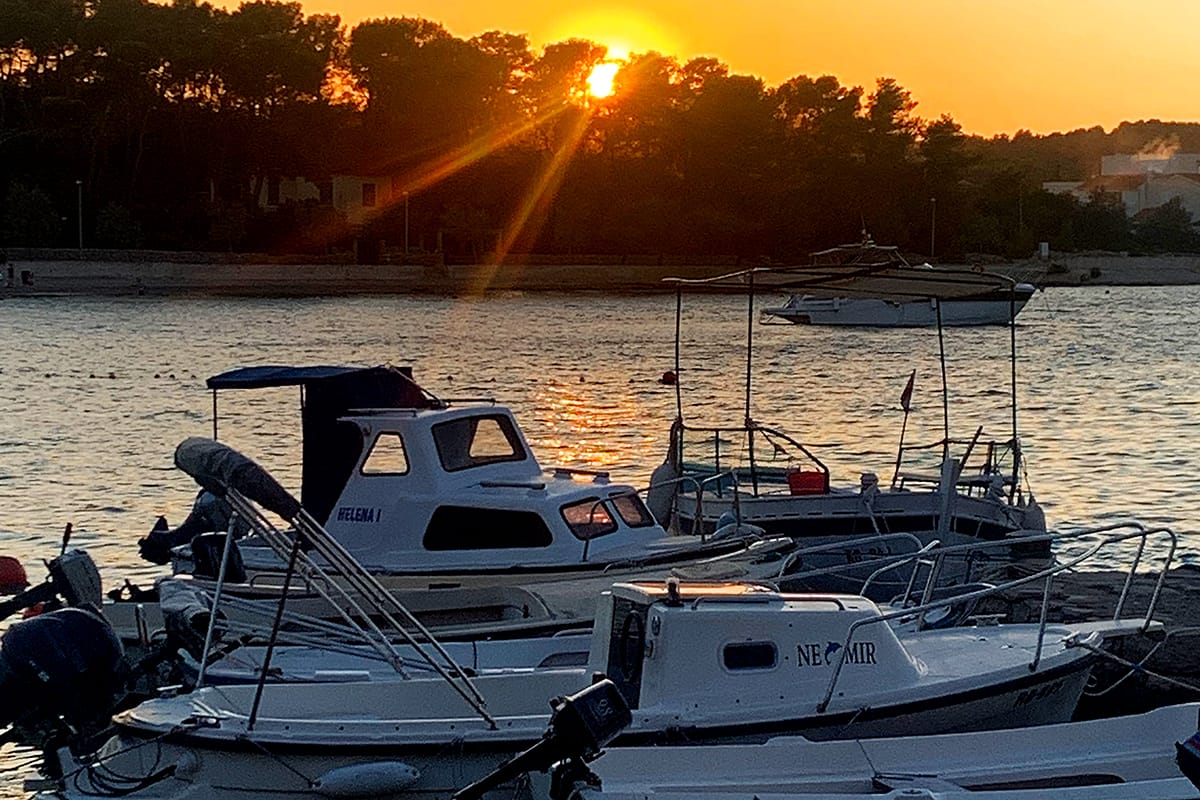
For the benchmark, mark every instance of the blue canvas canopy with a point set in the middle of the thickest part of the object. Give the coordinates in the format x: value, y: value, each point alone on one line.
x: 331, y: 448
x: 269, y: 376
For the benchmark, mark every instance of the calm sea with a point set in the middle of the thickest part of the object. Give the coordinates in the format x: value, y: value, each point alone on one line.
x: 96, y: 393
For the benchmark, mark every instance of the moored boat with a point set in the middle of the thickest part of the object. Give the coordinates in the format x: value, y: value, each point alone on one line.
x: 697, y: 664
x: 1118, y: 758
x: 993, y: 300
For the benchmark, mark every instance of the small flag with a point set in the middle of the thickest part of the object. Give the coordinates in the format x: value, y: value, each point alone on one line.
x: 906, y: 395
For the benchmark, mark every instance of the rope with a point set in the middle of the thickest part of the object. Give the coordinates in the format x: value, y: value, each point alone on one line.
x: 1139, y: 667
x: 104, y: 781
x: 277, y: 759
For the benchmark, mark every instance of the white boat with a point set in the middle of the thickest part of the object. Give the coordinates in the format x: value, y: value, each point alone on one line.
x: 697, y: 664
x: 957, y: 490
x: 1120, y: 758
x: 991, y: 302
x: 772, y: 481
x: 431, y: 496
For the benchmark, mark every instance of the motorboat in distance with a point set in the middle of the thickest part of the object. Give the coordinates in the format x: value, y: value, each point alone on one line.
x: 924, y: 296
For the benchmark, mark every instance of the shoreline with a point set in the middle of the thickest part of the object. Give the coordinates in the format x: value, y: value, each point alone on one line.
x: 158, y: 273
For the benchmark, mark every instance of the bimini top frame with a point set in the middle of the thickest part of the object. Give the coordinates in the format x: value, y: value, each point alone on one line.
x: 881, y: 279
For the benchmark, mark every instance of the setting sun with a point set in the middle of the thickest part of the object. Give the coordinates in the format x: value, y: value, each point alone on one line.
x: 600, y: 82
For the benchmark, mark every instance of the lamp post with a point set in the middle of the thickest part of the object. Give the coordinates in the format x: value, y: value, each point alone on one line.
x: 79, y: 209
x: 932, y: 223
x: 406, y: 223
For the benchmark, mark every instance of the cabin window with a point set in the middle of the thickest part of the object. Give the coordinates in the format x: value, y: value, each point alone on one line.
x: 387, y: 456
x: 588, y: 518
x: 750, y: 655
x: 475, y: 441
x: 632, y: 510
x: 466, y: 528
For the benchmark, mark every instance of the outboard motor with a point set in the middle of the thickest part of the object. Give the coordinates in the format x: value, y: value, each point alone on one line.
x: 65, y: 663
x: 73, y: 577
x: 207, y: 551
x: 209, y: 514
x: 1187, y: 756
x: 580, y: 727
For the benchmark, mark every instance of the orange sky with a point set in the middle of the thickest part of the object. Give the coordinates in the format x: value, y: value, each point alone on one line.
x: 996, y: 66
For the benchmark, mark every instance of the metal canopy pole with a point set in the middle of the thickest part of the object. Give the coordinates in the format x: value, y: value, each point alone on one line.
x: 1012, y: 341
x: 678, y: 323
x: 749, y: 365
x: 945, y: 386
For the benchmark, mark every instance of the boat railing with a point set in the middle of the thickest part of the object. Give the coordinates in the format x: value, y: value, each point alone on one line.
x: 973, y: 476
x: 777, y: 443
x: 357, y: 596
x: 854, y: 548
x: 360, y: 602
x: 1109, y: 536
x: 698, y: 485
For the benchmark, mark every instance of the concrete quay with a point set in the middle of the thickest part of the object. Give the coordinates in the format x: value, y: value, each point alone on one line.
x: 116, y: 273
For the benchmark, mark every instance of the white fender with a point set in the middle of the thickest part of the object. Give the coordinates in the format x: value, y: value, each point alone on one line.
x: 367, y: 780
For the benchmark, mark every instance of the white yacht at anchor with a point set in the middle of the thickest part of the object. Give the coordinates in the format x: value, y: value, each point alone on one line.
x: 991, y: 301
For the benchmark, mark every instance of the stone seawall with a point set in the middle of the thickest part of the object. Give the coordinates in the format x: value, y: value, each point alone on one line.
x: 162, y: 278
x: 1118, y: 270
x: 160, y: 273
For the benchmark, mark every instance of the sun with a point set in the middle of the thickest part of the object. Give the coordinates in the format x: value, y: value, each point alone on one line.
x: 600, y: 82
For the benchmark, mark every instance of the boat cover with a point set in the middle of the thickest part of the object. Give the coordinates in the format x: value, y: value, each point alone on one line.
x: 218, y: 467
x: 268, y: 376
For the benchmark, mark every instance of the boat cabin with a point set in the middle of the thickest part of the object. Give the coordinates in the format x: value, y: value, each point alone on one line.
x: 678, y: 648
x: 408, y: 482
x: 462, y: 483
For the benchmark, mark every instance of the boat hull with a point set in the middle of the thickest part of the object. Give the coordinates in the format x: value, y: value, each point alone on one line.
x: 233, y: 768
x: 1114, y: 759
x: 871, y: 312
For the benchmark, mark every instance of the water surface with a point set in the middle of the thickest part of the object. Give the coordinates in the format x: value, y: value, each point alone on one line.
x: 96, y: 393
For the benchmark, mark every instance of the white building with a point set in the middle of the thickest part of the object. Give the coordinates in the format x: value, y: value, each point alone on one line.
x: 359, y: 197
x: 1142, y: 181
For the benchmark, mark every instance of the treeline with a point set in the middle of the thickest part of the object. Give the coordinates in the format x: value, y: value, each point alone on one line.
x: 135, y: 124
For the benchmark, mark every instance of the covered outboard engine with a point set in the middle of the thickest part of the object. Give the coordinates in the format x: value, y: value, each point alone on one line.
x: 65, y: 663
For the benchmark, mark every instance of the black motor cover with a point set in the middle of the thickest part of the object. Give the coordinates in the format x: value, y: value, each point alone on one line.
x: 64, y: 663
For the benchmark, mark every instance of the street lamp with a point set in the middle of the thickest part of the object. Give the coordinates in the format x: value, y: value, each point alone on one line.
x: 406, y: 223
x: 79, y: 209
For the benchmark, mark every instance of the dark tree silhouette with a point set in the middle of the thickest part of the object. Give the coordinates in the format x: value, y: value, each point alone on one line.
x: 179, y: 120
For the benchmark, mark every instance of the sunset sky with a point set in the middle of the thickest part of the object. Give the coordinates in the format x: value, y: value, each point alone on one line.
x: 996, y: 66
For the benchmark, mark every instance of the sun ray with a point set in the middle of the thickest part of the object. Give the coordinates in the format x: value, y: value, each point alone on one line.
x: 546, y: 186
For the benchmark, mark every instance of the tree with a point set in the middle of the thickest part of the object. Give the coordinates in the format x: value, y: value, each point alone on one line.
x: 1101, y: 224
x: 1169, y: 228
x: 271, y: 55
x: 941, y: 149
x: 30, y: 218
